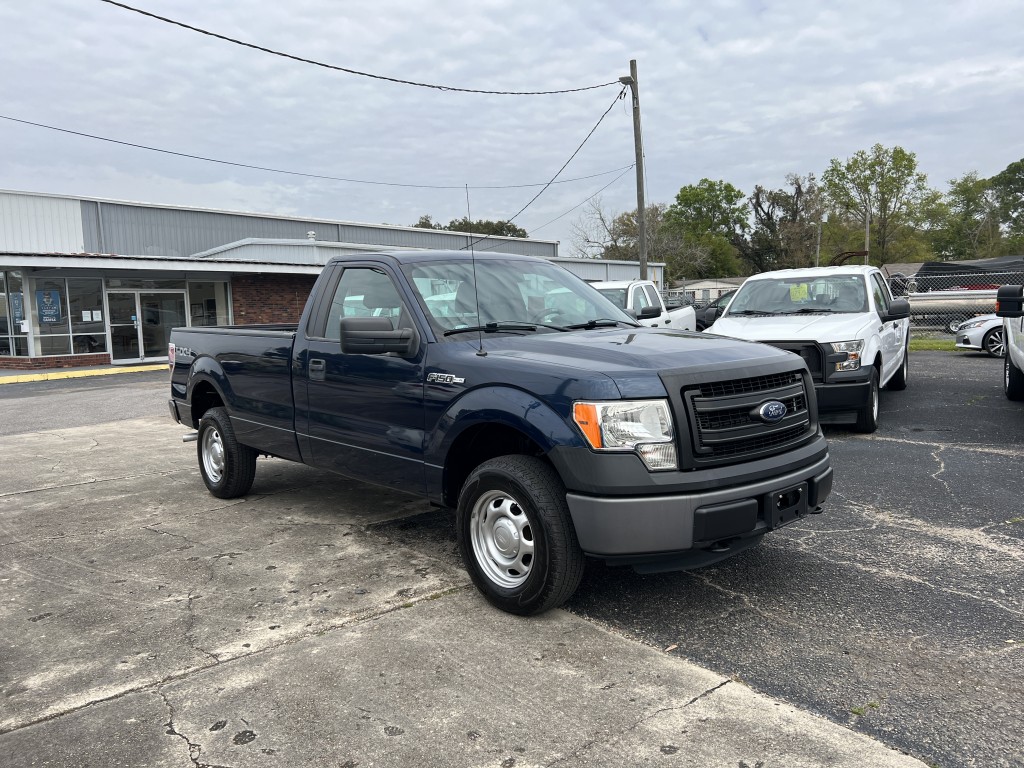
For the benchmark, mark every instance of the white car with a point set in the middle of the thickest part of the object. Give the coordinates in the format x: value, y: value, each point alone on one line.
x: 984, y: 333
x: 842, y: 321
x: 641, y: 297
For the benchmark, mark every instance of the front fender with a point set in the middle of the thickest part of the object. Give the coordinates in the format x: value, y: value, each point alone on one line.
x: 504, y: 405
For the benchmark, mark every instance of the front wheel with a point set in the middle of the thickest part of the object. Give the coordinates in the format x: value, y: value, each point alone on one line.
x: 1013, y: 379
x: 899, y: 380
x: 516, y: 536
x: 993, y: 342
x: 867, y: 418
x: 228, y: 467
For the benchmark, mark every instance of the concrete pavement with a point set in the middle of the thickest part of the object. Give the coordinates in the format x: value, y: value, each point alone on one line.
x: 147, y: 623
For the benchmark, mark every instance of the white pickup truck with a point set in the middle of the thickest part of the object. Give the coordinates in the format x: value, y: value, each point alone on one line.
x: 842, y: 321
x: 641, y: 297
x: 1010, y: 307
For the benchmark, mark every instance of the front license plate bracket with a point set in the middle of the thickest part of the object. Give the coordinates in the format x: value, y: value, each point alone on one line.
x: 786, y: 505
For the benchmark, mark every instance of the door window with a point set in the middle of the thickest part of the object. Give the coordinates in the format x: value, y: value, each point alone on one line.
x: 881, y: 294
x: 363, y: 292
x: 640, y: 299
x: 652, y: 295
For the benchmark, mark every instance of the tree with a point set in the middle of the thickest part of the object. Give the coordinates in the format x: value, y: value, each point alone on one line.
x: 785, y: 225
x: 1008, y: 189
x: 710, y: 219
x: 885, y: 185
x: 965, y: 223
x: 478, y: 227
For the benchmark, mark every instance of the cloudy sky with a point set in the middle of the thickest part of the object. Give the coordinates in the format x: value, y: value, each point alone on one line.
x: 743, y: 90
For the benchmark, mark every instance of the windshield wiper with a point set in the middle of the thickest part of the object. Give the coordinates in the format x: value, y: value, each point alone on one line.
x: 599, y: 322
x: 499, y: 327
x: 810, y: 311
x: 752, y: 312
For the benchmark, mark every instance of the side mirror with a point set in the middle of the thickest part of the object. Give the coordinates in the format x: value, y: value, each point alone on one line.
x: 376, y: 336
x: 710, y: 315
x: 648, y: 312
x: 898, y: 310
x: 1010, y: 301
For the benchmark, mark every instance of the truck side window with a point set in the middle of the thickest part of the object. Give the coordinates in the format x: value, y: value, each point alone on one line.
x: 881, y: 293
x: 640, y: 298
x: 363, y: 292
x: 652, y: 295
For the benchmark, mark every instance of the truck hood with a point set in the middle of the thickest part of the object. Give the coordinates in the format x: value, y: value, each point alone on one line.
x: 631, y: 357
x: 820, y: 328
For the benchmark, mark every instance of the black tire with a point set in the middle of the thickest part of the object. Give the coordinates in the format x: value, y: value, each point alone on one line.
x: 993, y: 342
x: 867, y: 417
x: 1013, y: 379
x: 899, y: 380
x: 516, y: 536
x: 228, y: 467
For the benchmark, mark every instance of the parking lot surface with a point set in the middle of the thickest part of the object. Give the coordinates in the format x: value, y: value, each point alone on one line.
x: 321, y: 621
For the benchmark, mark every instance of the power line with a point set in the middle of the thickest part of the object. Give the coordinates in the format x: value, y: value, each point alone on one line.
x: 346, y: 69
x: 587, y: 200
x: 294, y: 173
x: 566, y: 163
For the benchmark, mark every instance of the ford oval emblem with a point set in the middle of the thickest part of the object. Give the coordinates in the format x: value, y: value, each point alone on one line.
x: 772, y: 411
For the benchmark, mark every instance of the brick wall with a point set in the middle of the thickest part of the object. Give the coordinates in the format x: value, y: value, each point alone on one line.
x: 269, y: 298
x: 62, y: 361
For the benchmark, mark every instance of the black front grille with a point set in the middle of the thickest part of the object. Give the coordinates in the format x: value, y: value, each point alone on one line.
x: 726, y: 420
x: 809, y: 352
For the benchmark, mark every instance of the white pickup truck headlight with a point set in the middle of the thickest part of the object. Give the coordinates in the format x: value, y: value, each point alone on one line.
x: 643, y: 426
x: 852, y: 350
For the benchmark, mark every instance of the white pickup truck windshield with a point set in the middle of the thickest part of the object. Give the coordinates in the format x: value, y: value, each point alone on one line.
x: 785, y: 296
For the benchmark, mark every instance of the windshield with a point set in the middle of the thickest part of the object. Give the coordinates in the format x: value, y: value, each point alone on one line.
x: 616, y: 296
x: 800, y: 295
x: 511, y: 293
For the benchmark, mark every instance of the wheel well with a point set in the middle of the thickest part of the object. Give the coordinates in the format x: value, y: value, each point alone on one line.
x: 204, y: 397
x: 475, y: 446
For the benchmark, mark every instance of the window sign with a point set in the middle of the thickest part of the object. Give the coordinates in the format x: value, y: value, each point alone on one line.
x: 48, y: 303
x: 17, y: 307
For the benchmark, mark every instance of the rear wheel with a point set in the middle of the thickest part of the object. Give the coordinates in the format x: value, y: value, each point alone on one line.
x: 867, y: 418
x: 516, y: 536
x: 1013, y: 379
x: 228, y: 467
x: 993, y: 342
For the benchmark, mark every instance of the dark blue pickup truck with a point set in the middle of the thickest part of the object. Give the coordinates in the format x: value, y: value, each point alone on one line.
x: 508, y: 389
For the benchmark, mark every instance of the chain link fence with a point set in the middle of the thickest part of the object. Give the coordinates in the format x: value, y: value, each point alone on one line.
x: 940, y: 302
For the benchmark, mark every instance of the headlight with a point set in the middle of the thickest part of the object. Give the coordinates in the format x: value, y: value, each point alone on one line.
x: 971, y: 324
x: 852, y: 350
x: 643, y: 426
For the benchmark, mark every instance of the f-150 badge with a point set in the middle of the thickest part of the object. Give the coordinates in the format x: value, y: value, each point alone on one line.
x: 444, y: 378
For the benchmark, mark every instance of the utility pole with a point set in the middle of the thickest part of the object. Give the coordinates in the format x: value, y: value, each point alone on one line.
x: 867, y: 231
x: 641, y: 211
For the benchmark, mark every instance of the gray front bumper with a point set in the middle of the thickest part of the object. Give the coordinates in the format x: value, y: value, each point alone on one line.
x: 649, y: 525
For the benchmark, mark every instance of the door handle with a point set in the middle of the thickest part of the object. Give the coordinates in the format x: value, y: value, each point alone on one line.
x: 317, y: 368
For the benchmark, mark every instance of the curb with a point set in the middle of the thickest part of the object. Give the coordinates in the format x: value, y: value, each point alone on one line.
x: 73, y: 374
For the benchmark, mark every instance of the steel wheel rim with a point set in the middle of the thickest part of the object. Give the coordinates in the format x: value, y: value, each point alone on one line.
x: 874, y: 402
x: 213, y: 454
x: 994, y: 346
x: 502, y: 538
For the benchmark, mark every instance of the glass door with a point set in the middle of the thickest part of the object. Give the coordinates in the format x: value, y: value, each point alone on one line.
x: 123, y: 311
x: 141, y: 322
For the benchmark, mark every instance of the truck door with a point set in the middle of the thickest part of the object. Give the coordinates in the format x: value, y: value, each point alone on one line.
x: 363, y: 413
x: 893, y: 333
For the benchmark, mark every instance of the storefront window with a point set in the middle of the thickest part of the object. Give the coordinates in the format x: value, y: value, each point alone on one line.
x: 5, y: 319
x: 16, y: 304
x: 208, y: 303
x: 51, y: 314
x: 134, y: 283
x: 85, y: 298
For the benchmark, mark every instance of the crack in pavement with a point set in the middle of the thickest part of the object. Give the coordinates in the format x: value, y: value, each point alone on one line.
x: 195, y: 751
x: 640, y: 721
x: 94, y: 481
x: 356, y: 619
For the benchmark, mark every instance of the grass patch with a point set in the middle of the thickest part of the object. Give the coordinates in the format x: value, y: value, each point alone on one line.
x: 933, y: 345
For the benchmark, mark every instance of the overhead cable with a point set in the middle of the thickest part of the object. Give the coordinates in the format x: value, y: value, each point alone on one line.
x: 587, y: 200
x: 347, y: 70
x: 297, y: 173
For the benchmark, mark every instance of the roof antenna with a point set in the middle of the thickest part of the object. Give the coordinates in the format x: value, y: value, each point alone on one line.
x: 476, y: 290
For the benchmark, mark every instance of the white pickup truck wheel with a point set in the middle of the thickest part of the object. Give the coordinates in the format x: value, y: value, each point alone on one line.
x: 1013, y: 379
x: 867, y: 418
x: 898, y: 382
x: 228, y: 467
x: 516, y: 536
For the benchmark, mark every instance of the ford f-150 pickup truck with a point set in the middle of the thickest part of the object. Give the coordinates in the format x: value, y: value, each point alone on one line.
x: 842, y: 321
x: 508, y: 389
x: 642, y: 299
